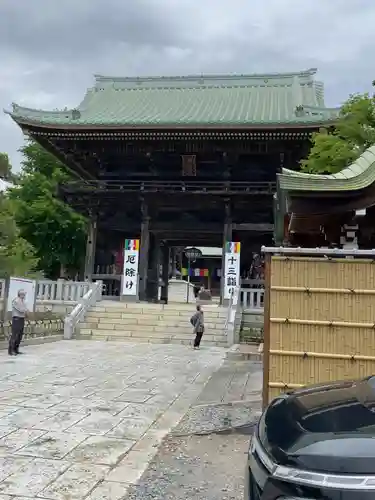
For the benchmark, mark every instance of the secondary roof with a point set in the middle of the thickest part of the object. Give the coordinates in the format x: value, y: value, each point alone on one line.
x: 359, y: 175
x: 289, y: 99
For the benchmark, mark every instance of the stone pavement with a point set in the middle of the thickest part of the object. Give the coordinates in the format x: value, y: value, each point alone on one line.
x: 192, y: 462
x: 232, y: 398
x: 235, y: 381
x: 82, y: 420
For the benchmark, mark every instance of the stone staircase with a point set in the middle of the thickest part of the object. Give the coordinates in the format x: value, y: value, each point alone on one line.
x: 153, y: 323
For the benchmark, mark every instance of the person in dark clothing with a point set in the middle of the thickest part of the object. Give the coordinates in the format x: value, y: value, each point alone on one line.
x: 197, y: 320
x: 19, y: 311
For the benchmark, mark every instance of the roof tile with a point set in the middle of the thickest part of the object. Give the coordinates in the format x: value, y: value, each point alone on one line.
x: 358, y: 175
x: 193, y: 101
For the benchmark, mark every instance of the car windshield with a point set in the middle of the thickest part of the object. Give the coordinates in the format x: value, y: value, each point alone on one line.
x: 350, y: 417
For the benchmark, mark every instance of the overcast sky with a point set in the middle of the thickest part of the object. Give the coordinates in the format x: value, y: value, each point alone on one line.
x: 50, y: 49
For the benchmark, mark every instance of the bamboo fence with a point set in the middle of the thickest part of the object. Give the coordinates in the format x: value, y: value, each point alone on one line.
x: 319, y: 321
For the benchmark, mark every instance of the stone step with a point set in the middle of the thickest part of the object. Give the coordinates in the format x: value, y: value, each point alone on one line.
x: 245, y: 352
x: 170, y: 306
x: 151, y: 340
x: 139, y: 328
x: 85, y: 329
x: 188, y: 314
x: 155, y: 323
x: 129, y: 313
x: 160, y: 307
x: 146, y: 321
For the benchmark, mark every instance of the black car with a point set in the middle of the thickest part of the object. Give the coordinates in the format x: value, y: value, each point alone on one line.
x: 316, y: 443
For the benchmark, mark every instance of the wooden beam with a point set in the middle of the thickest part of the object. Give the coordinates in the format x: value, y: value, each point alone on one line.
x: 75, y: 169
x: 191, y: 241
x: 256, y: 227
x: 208, y: 228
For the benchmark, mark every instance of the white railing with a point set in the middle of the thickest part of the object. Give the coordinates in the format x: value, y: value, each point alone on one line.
x: 252, y: 298
x: 92, y: 296
x: 61, y: 290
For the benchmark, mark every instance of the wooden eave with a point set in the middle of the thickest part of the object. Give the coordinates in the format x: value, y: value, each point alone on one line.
x: 331, y: 203
x: 152, y: 128
x: 72, y: 167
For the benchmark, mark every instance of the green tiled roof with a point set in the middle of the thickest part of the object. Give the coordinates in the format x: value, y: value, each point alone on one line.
x: 207, y: 101
x: 358, y: 175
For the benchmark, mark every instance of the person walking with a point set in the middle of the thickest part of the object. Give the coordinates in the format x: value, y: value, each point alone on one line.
x: 19, y: 311
x: 197, y: 320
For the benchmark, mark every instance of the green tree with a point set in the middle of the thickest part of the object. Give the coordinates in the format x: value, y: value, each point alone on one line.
x: 6, y: 171
x: 5, y: 167
x: 17, y: 256
x: 354, y: 131
x: 57, y: 232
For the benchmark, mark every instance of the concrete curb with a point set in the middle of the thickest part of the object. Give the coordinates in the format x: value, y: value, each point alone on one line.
x: 239, y: 352
x: 242, y: 402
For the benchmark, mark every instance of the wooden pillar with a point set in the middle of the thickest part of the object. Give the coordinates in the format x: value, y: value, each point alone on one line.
x: 144, y: 253
x: 173, y: 254
x: 90, y: 249
x: 210, y: 271
x: 154, y: 269
x: 165, y: 256
x: 227, y: 236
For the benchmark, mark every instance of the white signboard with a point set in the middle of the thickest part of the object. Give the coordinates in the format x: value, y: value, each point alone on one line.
x: 28, y: 286
x: 232, y: 268
x: 130, y: 272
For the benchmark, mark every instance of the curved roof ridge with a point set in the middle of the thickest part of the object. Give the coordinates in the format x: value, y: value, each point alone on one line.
x: 206, y: 76
x: 359, y: 175
x: 16, y: 108
x: 38, y: 114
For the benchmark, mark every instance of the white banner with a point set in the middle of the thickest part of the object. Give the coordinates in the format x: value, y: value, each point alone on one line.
x: 28, y: 286
x: 232, y: 268
x: 130, y: 272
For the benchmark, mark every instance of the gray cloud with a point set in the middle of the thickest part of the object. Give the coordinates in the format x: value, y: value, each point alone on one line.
x: 50, y: 50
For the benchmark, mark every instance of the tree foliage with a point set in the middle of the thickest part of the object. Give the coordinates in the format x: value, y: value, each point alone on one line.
x: 56, y: 231
x: 17, y: 256
x: 6, y: 172
x: 352, y: 134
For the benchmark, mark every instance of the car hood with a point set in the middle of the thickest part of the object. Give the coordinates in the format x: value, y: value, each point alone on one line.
x: 336, y: 454
x: 326, y: 428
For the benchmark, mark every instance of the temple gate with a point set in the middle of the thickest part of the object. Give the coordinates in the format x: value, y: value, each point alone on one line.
x: 178, y: 161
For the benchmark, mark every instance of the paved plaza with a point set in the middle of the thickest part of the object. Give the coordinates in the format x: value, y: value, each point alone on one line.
x: 82, y: 420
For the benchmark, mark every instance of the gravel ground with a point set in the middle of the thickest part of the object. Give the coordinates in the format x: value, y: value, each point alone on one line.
x: 194, y: 467
x: 216, y: 418
x: 204, y: 457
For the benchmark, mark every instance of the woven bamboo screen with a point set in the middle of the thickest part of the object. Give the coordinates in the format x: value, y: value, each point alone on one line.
x: 322, y: 321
